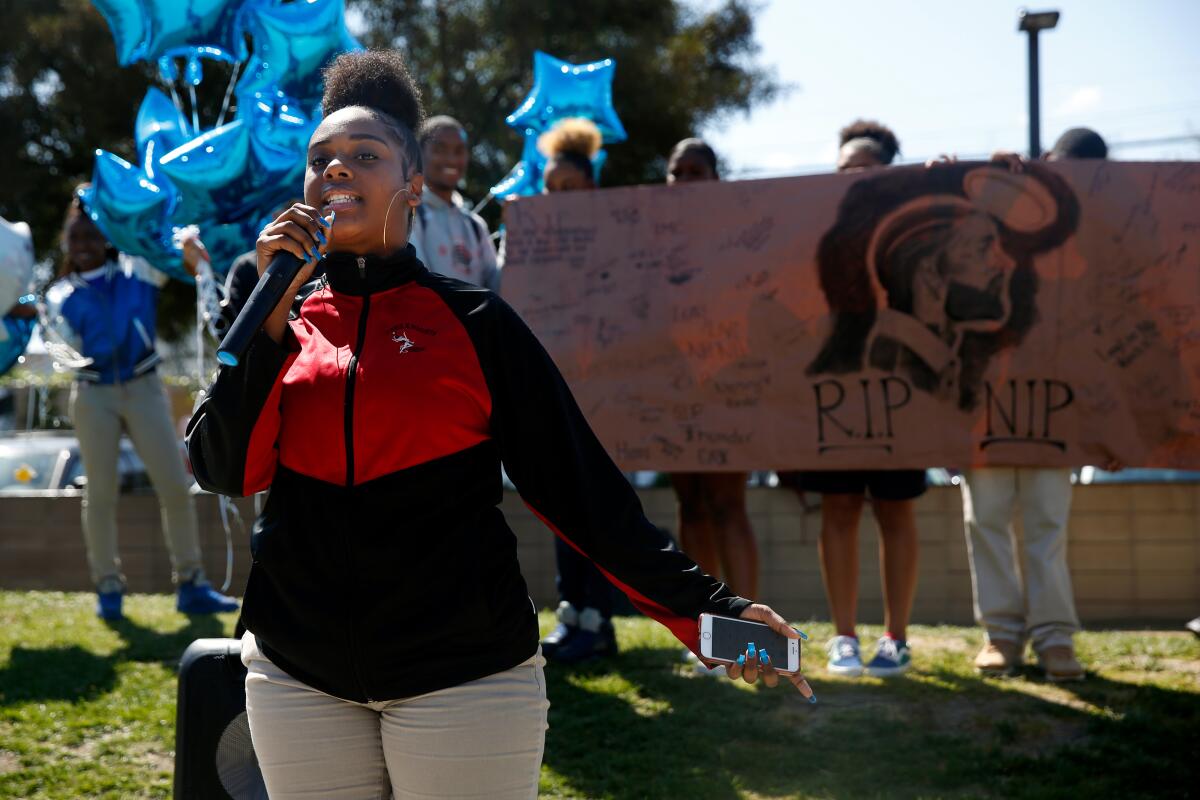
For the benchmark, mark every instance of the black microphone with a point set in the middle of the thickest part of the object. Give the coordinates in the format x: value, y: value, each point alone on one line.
x: 272, y: 285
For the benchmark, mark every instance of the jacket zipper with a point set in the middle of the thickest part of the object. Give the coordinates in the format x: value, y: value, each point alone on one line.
x: 109, y: 304
x: 351, y: 372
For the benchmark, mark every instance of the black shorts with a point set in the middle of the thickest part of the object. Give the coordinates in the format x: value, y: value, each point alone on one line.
x: 882, y: 484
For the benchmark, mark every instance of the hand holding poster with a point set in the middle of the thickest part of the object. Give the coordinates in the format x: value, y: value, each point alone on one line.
x: 953, y: 315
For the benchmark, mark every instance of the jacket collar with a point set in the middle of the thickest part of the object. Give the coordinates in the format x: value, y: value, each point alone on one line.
x: 436, y: 203
x: 365, y: 275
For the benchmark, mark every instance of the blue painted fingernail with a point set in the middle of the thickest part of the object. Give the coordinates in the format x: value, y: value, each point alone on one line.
x: 321, y: 236
x: 763, y: 657
x: 741, y: 660
x: 750, y: 649
x: 803, y: 635
x: 812, y: 699
x: 332, y: 218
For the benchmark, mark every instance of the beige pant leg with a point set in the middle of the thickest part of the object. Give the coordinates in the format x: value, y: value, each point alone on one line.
x: 483, y: 739
x: 1045, y: 507
x: 988, y: 498
x: 95, y: 410
x: 148, y: 420
x: 310, y: 745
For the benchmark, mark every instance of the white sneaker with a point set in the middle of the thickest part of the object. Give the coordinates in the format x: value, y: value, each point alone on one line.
x: 699, y: 667
x: 844, y: 656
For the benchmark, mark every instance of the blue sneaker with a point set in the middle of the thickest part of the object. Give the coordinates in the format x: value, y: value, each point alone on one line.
x: 892, y: 658
x: 108, y: 605
x: 844, y: 657
x: 594, y: 638
x: 198, y: 597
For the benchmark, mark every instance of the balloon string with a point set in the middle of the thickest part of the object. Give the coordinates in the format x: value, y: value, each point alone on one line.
x: 177, y: 101
x: 195, y: 111
x: 228, y: 94
x: 228, y: 509
x: 483, y: 203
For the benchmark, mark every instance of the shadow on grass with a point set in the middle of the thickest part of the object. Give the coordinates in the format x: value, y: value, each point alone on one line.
x: 73, y: 673
x: 649, y: 731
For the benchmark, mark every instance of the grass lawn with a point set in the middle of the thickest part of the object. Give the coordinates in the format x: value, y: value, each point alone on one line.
x: 87, y: 711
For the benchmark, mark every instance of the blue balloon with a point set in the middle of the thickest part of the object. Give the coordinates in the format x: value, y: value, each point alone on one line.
x: 292, y: 42
x: 152, y: 29
x: 280, y: 129
x: 176, y: 26
x: 210, y: 172
x: 193, y: 72
x: 562, y: 89
x: 227, y: 241
x: 132, y: 211
x: 13, y: 340
x: 232, y: 172
x: 129, y: 25
x: 526, y: 177
x: 159, y: 129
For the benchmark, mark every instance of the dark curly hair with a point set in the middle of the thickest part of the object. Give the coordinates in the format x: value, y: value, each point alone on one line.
x: 379, y: 81
x: 875, y: 131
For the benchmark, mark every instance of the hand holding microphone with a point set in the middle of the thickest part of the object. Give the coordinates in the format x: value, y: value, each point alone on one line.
x: 301, y: 232
x: 288, y: 251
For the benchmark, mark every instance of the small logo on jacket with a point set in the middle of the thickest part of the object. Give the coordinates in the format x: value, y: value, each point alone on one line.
x: 407, y: 345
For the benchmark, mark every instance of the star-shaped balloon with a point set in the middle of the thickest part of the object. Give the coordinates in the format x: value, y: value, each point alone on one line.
x: 292, y: 42
x: 151, y: 29
x: 525, y: 178
x: 130, y: 209
x: 158, y: 130
x: 236, y: 170
x: 178, y: 25
x: 129, y: 25
x: 562, y: 89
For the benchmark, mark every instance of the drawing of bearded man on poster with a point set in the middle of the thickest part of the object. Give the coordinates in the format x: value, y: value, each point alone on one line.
x: 928, y: 272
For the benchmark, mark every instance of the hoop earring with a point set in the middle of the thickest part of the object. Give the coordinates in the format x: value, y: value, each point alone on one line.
x: 387, y: 215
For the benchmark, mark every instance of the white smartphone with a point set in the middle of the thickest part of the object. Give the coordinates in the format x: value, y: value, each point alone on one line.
x: 725, y: 638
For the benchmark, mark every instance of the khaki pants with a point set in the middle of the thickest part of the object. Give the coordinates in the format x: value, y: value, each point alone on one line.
x: 140, y: 405
x: 1010, y: 604
x: 482, y: 739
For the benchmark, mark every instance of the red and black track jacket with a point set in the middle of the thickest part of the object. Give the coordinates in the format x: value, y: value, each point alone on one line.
x: 382, y: 566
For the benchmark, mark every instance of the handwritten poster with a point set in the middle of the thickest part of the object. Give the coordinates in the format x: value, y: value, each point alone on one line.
x: 955, y: 315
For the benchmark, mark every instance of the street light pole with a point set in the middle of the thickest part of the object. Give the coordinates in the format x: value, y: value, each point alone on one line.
x: 1032, y: 22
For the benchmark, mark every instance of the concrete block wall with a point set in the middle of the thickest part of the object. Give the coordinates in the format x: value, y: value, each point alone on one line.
x: 1134, y: 550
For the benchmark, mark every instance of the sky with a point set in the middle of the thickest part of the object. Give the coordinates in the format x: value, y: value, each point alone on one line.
x: 949, y: 76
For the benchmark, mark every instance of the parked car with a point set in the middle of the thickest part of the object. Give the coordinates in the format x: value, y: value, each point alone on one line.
x: 1089, y: 475
x: 49, y: 461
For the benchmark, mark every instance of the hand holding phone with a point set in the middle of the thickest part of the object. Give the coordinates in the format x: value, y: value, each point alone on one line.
x: 740, y: 643
x: 725, y: 639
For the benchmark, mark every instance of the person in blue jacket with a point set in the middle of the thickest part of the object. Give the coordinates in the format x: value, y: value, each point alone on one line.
x: 104, y: 303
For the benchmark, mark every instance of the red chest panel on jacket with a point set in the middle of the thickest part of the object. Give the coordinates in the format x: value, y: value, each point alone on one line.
x: 419, y: 392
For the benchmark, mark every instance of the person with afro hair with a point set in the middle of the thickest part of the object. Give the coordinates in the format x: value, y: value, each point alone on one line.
x: 570, y: 148
x: 391, y: 643
x: 866, y: 143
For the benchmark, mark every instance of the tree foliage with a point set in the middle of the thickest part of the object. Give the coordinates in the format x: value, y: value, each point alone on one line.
x: 63, y: 95
x: 677, y: 68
